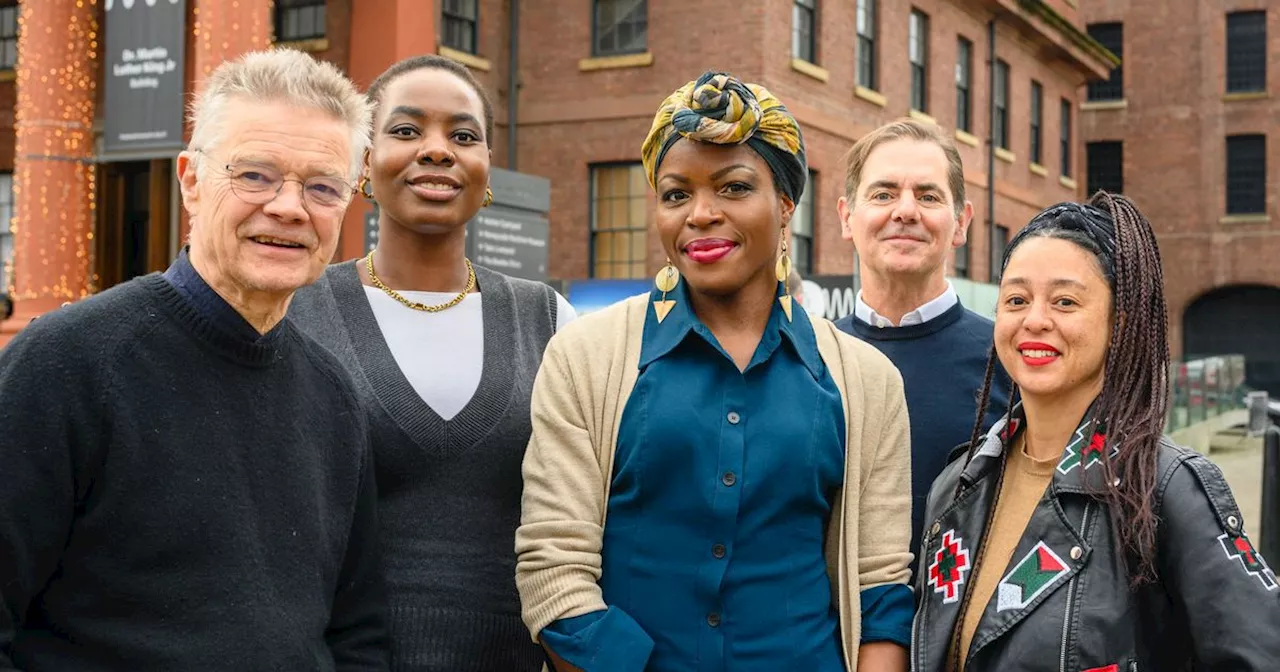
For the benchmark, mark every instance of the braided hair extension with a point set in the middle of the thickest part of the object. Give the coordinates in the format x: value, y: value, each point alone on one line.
x: 1135, y: 393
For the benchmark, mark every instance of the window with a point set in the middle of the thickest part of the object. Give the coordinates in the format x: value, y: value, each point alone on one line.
x: 6, y: 235
x: 1105, y: 167
x: 1111, y: 36
x: 458, y: 29
x: 1246, y: 174
x: 299, y: 20
x: 962, y: 261
x: 801, y: 243
x: 918, y: 54
x: 9, y: 37
x: 618, y: 221
x: 964, y: 84
x: 1001, y: 131
x: 803, y: 37
x: 1065, y: 149
x: 1037, y: 120
x: 1247, y: 51
x: 621, y: 27
x: 866, y: 54
x: 999, y: 241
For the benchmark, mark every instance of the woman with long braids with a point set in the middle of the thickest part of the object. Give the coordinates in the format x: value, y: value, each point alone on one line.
x: 753, y: 465
x: 1073, y: 536
x: 443, y: 354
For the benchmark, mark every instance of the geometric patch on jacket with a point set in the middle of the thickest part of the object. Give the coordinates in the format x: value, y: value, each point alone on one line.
x: 1240, y: 548
x: 946, y: 573
x: 1087, y: 452
x: 1033, y: 575
x: 1110, y: 668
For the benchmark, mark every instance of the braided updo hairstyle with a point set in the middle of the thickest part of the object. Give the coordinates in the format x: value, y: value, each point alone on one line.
x: 1135, y: 392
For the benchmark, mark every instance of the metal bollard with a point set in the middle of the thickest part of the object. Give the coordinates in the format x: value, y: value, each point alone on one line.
x: 1271, y: 494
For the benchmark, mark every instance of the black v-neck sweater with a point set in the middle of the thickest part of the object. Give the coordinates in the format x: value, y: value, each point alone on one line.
x: 173, y: 497
x: 448, y: 491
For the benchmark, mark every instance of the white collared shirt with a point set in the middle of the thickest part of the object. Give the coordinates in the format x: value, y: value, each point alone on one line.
x: 928, y: 311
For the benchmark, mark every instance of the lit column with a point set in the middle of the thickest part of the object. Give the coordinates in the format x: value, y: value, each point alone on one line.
x: 54, y: 189
x: 226, y: 29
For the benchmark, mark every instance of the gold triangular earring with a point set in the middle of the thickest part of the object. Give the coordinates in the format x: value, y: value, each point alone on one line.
x: 782, y: 270
x: 666, y: 281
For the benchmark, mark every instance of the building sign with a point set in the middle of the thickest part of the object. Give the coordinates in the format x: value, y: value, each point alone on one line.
x: 510, y: 236
x: 829, y: 296
x: 145, y: 41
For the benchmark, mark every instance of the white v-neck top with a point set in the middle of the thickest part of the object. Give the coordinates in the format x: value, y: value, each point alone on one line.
x: 441, y: 354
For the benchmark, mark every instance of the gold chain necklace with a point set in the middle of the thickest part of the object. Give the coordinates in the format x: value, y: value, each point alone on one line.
x: 471, y: 284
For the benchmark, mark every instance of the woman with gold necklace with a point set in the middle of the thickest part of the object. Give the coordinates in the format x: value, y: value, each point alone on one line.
x: 444, y: 355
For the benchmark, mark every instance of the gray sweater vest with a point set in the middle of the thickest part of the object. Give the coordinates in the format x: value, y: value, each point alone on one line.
x: 448, y: 491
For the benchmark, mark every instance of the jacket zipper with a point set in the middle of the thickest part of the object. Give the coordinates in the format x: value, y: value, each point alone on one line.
x: 915, y: 621
x: 1071, y: 594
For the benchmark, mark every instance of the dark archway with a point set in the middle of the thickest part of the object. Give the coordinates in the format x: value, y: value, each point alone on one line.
x: 1243, y: 320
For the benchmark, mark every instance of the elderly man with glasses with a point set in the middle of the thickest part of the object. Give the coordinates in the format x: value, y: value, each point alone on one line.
x: 185, y: 479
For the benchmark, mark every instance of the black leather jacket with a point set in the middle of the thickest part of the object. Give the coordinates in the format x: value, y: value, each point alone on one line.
x: 1063, y: 604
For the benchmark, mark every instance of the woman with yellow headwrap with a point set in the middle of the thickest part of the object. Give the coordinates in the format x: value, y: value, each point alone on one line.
x: 753, y: 465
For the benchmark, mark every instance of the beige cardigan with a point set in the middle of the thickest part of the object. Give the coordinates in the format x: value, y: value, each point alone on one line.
x: 587, y: 374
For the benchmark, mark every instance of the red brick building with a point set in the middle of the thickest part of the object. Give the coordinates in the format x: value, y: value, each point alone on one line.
x: 588, y: 76
x: 1188, y: 129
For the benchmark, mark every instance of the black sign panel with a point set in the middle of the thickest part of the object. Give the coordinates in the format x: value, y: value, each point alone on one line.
x: 510, y: 241
x: 510, y: 236
x: 143, y: 114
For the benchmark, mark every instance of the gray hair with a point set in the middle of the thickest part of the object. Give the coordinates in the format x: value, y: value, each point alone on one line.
x: 283, y: 75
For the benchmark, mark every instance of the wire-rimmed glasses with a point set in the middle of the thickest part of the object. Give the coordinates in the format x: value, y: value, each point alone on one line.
x: 259, y: 184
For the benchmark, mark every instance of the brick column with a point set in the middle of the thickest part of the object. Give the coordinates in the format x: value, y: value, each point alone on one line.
x: 382, y: 32
x: 54, y: 181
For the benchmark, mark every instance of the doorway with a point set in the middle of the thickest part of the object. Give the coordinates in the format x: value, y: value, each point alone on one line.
x: 134, y: 220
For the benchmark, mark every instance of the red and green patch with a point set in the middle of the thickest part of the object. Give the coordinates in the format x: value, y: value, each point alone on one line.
x: 1238, y: 547
x: 946, y: 573
x: 1035, y: 573
x: 1084, y: 452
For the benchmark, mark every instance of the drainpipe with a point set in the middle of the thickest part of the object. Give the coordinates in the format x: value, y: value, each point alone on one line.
x: 991, y: 147
x: 513, y: 84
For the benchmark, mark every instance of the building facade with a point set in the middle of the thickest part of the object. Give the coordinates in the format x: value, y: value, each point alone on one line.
x: 587, y: 77
x: 1190, y: 133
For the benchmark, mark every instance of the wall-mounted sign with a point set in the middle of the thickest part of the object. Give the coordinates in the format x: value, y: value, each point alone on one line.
x: 510, y: 236
x: 143, y: 110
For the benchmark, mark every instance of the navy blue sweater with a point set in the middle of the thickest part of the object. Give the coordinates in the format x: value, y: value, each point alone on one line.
x: 942, y: 362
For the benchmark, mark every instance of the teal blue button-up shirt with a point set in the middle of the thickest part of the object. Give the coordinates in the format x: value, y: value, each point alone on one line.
x: 723, y: 486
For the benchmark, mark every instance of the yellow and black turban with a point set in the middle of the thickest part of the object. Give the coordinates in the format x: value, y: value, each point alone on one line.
x: 717, y: 108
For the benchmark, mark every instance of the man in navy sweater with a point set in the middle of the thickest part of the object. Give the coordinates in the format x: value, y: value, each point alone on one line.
x: 185, y: 478
x: 904, y: 208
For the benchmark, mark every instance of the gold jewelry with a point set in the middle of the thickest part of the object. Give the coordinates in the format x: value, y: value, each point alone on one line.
x: 365, y: 189
x: 782, y: 270
x: 471, y: 284
x: 666, y: 281
x: 488, y: 197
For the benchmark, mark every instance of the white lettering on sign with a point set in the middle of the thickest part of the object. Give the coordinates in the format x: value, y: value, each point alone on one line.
x: 144, y: 66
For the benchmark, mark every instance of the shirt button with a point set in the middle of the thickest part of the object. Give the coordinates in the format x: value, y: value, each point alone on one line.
x: 713, y: 619
x: 718, y: 551
x: 734, y: 417
x: 729, y: 479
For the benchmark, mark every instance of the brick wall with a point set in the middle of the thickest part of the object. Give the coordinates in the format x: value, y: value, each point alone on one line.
x: 1174, y: 127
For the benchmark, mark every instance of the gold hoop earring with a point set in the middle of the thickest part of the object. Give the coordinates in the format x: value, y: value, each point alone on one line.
x: 782, y: 270
x: 488, y: 197
x: 666, y: 281
x: 365, y: 189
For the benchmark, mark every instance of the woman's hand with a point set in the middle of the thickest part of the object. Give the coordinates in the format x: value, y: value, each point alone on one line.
x: 882, y: 657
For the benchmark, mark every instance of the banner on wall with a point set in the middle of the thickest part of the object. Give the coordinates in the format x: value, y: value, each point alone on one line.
x: 143, y: 78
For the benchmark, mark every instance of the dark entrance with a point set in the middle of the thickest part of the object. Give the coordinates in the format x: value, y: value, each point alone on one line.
x: 134, y: 220
x: 1238, y: 320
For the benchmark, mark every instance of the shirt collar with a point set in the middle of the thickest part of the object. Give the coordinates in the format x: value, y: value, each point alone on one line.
x: 186, y: 279
x: 929, y: 311
x: 661, y: 339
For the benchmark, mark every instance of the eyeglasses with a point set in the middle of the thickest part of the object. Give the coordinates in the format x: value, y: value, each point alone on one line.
x: 260, y: 183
